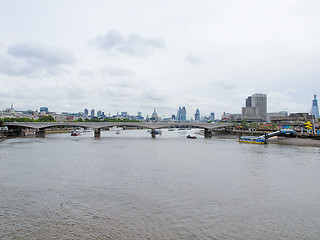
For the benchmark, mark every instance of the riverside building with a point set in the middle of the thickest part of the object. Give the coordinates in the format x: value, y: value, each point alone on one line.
x: 256, y: 107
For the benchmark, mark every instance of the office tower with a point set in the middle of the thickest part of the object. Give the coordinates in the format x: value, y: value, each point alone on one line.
x: 211, y: 117
x: 315, y: 108
x: 44, y: 109
x: 259, y: 101
x: 86, y: 111
x: 197, y: 115
x: 182, y: 114
x: 99, y: 114
x: 249, y: 102
x: 256, y: 107
x: 92, y: 112
x: 179, y: 114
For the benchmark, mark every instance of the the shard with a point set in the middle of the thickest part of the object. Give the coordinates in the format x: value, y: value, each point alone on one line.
x: 315, y: 108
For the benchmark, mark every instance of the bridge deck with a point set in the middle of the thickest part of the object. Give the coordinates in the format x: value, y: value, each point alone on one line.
x: 103, y: 125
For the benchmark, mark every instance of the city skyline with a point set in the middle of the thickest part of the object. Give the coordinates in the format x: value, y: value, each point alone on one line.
x: 255, y: 110
x: 211, y: 56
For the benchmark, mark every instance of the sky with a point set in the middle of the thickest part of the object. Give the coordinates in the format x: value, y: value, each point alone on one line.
x: 130, y: 56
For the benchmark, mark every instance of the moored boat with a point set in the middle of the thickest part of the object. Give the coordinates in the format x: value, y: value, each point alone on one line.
x: 191, y: 137
x: 75, y: 133
x: 252, y: 139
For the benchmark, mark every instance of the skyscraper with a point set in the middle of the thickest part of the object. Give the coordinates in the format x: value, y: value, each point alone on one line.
x: 197, y: 115
x: 92, y: 112
x: 86, y: 111
x: 181, y: 114
x: 315, y: 108
x: 211, y: 117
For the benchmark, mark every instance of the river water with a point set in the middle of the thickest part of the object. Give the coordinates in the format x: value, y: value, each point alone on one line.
x: 129, y: 186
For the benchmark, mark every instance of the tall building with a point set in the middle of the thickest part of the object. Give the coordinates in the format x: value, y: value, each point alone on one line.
x: 256, y: 107
x: 197, y: 115
x: 86, y: 111
x: 315, y: 108
x: 92, y: 113
x: 249, y: 102
x: 211, y: 117
x: 259, y: 101
x: 178, y: 114
x: 181, y: 114
x: 139, y: 117
x: 99, y: 113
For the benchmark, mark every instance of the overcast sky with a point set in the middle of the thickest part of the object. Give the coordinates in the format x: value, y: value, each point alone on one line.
x: 138, y: 55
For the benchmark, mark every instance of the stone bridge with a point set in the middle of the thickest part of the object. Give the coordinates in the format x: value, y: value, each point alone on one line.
x: 98, y: 126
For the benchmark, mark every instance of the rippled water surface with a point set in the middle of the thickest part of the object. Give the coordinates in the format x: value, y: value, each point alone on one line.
x: 130, y: 186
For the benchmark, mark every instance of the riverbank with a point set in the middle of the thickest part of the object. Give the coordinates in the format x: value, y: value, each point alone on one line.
x: 295, y: 141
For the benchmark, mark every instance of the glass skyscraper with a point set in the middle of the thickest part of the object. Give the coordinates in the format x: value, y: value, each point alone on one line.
x: 197, y: 115
x: 181, y: 114
x: 315, y: 108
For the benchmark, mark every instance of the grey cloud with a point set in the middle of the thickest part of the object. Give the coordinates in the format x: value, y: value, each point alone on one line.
x: 193, y: 59
x: 13, y: 67
x: 112, y: 71
x: 38, y: 52
x: 133, y: 45
x: 32, y: 59
x: 153, y: 95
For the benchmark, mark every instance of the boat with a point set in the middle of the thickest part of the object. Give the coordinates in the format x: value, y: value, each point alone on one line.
x: 191, y: 137
x: 29, y: 133
x: 252, y: 139
x: 75, y: 133
x: 158, y: 132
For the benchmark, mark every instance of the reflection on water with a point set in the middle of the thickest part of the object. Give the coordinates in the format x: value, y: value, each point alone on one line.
x: 129, y: 186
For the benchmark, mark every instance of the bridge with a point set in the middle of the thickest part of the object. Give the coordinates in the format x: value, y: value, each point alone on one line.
x: 41, y: 127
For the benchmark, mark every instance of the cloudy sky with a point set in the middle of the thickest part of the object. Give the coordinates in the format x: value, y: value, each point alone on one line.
x: 138, y: 55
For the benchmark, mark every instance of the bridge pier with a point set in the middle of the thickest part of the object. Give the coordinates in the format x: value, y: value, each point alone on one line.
x: 19, y: 132
x: 41, y: 133
x: 207, y: 133
x: 97, y: 132
x: 153, y: 133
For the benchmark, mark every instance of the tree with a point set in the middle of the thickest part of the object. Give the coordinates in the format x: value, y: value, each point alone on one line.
x: 48, y: 118
x: 244, y: 123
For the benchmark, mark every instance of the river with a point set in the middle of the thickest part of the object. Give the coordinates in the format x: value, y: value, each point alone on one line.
x: 130, y: 186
